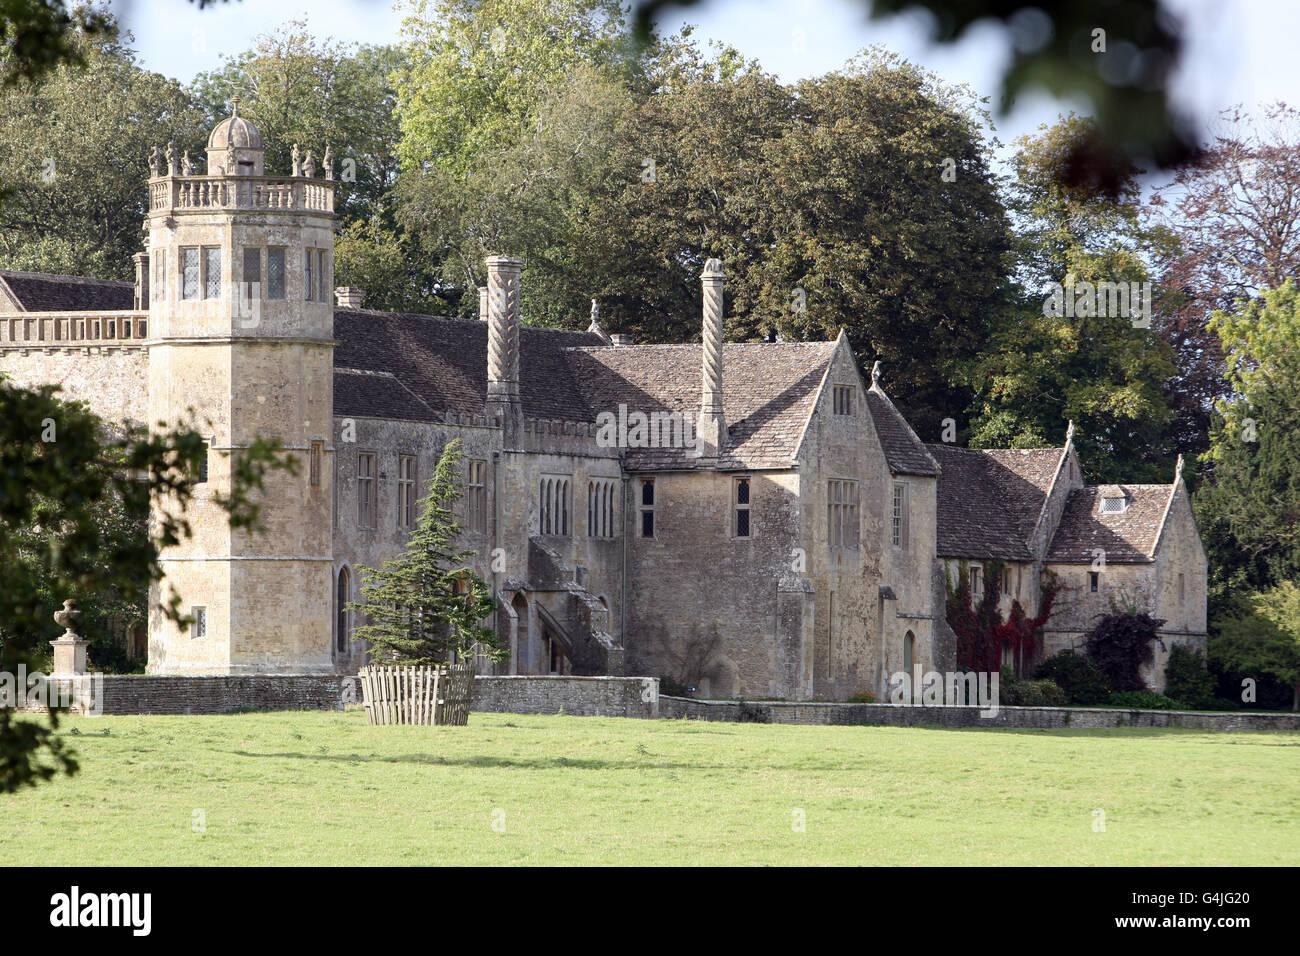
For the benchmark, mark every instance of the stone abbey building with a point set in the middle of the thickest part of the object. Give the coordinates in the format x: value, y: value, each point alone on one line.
x: 746, y: 519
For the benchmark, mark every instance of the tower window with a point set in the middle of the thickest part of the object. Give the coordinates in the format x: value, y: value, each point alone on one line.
x: 203, y: 465
x: 308, y: 275
x: 275, y: 273
x: 199, y: 627
x: 321, y: 281
x: 252, y: 274
x: 189, y: 272
x: 317, y: 451
x: 740, y: 525
x: 648, y: 508
x: 211, y: 272
x: 159, y: 288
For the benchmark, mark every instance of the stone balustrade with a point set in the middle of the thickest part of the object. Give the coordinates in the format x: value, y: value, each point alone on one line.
x: 179, y: 193
x: 59, y: 329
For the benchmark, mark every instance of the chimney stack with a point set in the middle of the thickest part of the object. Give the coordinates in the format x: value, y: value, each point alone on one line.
x: 141, y: 281
x: 503, y: 338
x: 483, y: 303
x: 712, y: 426
x: 349, y: 296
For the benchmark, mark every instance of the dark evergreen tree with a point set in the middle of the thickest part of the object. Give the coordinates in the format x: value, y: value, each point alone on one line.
x: 427, y: 606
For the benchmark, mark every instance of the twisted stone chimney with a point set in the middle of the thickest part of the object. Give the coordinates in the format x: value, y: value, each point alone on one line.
x: 712, y: 428
x: 503, y: 338
x: 482, y: 303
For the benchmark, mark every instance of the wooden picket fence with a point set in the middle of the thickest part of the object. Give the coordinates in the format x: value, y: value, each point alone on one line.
x: 393, y: 694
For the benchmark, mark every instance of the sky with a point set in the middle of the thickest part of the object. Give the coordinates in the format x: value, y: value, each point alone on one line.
x: 1237, y: 51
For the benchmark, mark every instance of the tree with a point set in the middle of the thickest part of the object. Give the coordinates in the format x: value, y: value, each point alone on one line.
x: 298, y: 89
x: 1249, y: 504
x: 1119, y: 57
x: 1043, y: 366
x: 508, y: 112
x: 74, y: 148
x: 1236, y: 213
x: 427, y: 606
x: 1261, y: 636
x: 60, y: 469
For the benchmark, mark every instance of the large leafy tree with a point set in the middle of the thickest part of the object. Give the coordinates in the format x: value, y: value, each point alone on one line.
x: 1260, y: 636
x: 315, y: 93
x: 1236, y: 213
x: 1040, y: 369
x: 74, y: 146
x: 427, y: 606
x: 1249, y: 505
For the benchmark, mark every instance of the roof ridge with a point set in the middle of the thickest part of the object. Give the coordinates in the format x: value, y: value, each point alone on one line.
x: 61, y: 277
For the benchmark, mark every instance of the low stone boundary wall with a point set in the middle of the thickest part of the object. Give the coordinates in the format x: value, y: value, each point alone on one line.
x: 894, y: 715
x: 581, y: 696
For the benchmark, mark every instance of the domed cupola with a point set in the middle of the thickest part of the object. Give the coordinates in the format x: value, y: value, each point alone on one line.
x: 235, y: 147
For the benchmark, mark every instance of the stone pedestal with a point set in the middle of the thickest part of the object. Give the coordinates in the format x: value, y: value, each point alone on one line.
x: 69, y: 657
x: 69, y: 649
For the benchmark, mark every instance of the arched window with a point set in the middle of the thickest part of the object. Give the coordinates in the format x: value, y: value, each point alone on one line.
x: 909, y: 652
x: 341, y: 630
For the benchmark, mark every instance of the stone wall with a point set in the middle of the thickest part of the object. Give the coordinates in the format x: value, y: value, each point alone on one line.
x: 579, y: 696
x: 811, y: 712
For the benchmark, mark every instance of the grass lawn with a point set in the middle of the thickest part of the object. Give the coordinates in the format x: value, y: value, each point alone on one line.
x: 325, y: 788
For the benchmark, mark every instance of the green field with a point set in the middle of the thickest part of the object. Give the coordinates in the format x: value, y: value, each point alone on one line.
x: 325, y: 788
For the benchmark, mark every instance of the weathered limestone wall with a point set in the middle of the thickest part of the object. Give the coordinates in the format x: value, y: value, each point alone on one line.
x: 703, y: 604
x: 112, y: 380
x: 846, y: 581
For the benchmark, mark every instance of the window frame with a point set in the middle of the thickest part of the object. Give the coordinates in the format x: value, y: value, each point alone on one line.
x: 476, y: 495
x: 843, y: 523
x: 900, y: 515
x: 182, y: 258
x: 406, y: 485
x: 737, y: 507
x: 842, y: 401
x: 647, y: 510
x: 368, y: 491
x: 276, y: 254
x: 199, y: 629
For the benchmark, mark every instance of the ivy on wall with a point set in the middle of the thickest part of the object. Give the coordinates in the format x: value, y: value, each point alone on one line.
x: 983, y: 635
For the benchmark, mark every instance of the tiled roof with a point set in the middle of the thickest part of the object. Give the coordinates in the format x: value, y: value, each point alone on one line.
x: 1127, y: 537
x: 38, y: 292
x: 989, y: 500
x: 436, y: 365
x: 903, y: 450
x: 768, y: 392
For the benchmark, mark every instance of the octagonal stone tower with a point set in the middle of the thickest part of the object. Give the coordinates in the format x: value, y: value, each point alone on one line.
x: 241, y: 320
